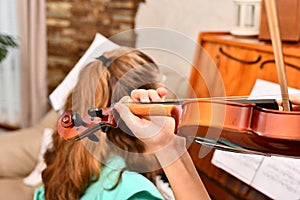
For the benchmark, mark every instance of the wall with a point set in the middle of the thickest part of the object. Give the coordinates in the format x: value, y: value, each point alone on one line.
x: 72, y: 24
x: 187, y: 18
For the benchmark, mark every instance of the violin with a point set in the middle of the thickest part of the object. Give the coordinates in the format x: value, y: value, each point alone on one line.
x: 246, y: 126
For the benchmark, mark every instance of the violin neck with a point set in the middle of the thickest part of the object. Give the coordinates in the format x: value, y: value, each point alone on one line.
x: 151, y: 109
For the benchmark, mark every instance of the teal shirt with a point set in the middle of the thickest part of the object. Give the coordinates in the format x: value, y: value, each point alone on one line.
x: 131, y: 186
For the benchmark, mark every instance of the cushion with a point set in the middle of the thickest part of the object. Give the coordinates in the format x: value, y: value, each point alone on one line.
x: 20, y: 148
x: 14, y: 188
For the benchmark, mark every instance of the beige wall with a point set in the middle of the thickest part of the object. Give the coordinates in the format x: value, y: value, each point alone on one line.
x: 188, y: 17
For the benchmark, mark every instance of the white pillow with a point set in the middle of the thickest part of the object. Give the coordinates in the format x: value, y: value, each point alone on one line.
x: 99, y: 45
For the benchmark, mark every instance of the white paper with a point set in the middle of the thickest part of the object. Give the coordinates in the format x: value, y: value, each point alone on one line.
x: 99, y: 45
x: 267, y: 90
x: 242, y: 166
x: 279, y: 178
x: 276, y: 177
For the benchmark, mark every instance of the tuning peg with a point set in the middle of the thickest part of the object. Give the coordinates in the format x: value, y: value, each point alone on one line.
x: 95, y: 112
x: 77, y: 120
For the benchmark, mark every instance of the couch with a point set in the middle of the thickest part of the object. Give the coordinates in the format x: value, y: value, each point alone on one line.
x: 19, y: 152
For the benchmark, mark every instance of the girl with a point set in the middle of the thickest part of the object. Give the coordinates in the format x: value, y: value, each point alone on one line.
x: 103, y: 167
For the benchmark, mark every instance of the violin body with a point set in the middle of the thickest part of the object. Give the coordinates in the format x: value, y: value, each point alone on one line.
x: 246, y: 117
x: 248, y: 133
x: 246, y: 125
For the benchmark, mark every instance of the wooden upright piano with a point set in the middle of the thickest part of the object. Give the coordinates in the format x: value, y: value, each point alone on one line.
x: 240, y: 61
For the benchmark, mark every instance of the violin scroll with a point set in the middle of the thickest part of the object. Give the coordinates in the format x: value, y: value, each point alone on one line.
x: 65, y: 123
x: 66, y: 119
x: 71, y: 126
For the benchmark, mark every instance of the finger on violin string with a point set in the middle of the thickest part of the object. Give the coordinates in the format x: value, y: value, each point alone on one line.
x: 132, y: 93
x: 154, y: 96
x: 295, y: 99
x: 140, y: 95
x: 296, y: 107
x: 294, y: 103
x: 162, y: 92
x: 148, y: 95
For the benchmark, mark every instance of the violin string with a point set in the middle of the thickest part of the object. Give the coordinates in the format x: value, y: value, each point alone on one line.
x: 277, y: 96
x: 221, y: 98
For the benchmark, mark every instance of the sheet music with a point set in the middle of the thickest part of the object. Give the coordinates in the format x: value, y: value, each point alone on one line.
x: 267, y: 90
x: 276, y: 177
x: 242, y: 166
x: 279, y: 178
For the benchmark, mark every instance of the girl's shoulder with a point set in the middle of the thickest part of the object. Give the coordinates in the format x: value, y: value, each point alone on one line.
x: 117, y: 184
x: 114, y: 183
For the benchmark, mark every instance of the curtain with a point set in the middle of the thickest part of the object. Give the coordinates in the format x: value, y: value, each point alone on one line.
x: 32, y: 45
x: 9, y: 68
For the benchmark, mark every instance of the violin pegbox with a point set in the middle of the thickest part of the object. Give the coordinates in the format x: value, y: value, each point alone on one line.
x: 71, y: 126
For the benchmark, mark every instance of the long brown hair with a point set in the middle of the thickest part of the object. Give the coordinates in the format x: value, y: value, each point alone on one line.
x: 71, y: 168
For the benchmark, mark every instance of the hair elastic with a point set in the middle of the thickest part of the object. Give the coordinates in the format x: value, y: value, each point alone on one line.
x: 105, y: 61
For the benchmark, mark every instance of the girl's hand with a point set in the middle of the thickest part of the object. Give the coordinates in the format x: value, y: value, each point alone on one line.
x: 296, y: 102
x: 155, y: 131
x: 142, y: 95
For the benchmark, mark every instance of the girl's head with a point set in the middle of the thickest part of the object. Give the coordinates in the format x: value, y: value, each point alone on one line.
x: 113, y: 75
x: 73, y: 166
